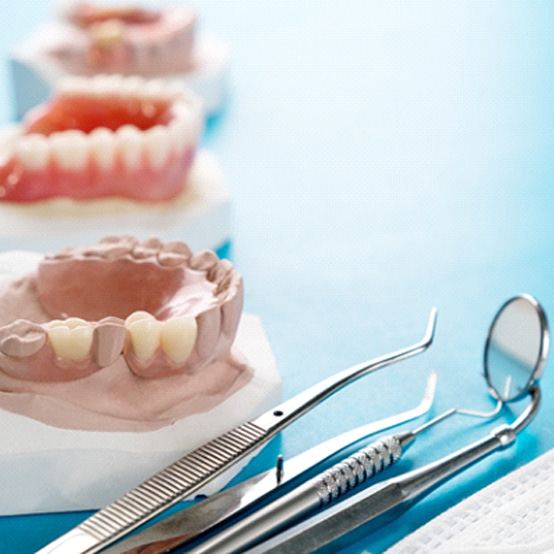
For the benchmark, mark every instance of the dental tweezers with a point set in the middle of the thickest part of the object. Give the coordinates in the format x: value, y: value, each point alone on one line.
x: 181, y: 528
x: 191, y: 472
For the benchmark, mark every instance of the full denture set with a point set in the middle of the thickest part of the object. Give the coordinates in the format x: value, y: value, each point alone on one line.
x: 105, y: 136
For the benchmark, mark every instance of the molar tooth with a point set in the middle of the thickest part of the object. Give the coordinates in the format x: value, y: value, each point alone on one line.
x: 145, y: 331
x: 22, y: 339
x: 168, y: 259
x: 33, y: 151
x: 178, y: 337
x: 70, y: 149
x: 103, y: 147
x: 177, y: 247
x: 158, y: 145
x: 70, y: 339
x: 153, y: 243
x: 130, y: 140
x: 204, y: 260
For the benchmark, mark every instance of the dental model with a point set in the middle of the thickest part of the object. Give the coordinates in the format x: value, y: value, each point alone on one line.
x: 127, y: 40
x: 107, y: 136
x: 125, y: 334
x: 87, y: 39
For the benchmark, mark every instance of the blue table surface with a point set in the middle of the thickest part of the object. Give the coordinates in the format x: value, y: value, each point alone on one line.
x: 384, y: 158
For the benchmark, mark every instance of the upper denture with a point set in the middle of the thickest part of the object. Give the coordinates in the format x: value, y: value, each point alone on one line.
x: 128, y: 40
x: 121, y: 297
x: 104, y: 137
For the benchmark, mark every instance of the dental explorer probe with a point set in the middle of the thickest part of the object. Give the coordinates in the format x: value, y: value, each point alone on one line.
x: 322, y: 489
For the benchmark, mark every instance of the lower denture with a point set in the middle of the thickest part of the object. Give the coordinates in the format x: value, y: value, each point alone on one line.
x: 96, y: 289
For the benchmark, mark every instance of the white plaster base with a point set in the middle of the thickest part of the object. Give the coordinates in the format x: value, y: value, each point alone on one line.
x: 34, y: 74
x: 201, y: 216
x: 46, y: 469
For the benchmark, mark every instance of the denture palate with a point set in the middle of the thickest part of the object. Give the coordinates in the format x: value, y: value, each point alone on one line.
x: 165, y: 310
x: 106, y: 136
x: 129, y: 39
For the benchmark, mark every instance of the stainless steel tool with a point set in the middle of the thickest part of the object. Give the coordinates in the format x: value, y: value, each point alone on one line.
x: 191, y: 472
x: 322, y: 490
x: 182, y: 527
x: 515, y: 353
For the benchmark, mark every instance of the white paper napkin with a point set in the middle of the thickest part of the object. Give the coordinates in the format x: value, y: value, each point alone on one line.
x: 514, y: 515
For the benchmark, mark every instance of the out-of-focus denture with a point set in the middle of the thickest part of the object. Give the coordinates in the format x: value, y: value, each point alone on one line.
x: 128, y: 39
x: 162, y: 309
x: 105, y: 136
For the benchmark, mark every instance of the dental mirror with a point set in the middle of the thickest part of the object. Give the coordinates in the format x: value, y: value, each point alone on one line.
x: 516, y: 348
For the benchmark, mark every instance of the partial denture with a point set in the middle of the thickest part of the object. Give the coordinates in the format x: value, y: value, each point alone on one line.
x: 165, y: 310
x: 107, y: 136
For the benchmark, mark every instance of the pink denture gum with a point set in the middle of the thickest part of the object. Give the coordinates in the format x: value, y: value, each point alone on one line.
x: 131, y: 335
x: 107, y: 136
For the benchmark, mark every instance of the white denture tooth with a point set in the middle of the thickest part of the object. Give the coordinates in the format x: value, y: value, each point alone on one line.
x: 105, y: 85
x: 179, y: 134
x: 130, y: 142
x: 70, y: 149
x: 175, y: 89
x: 158, y: 145
x: 71, y: 86
x: 154, y: 89
x: 70, y: 339
x: 137, y: 316
x: 145, y: 335
x: 33, y: 151
x: 178, y: 337
x: 103, y: 146
x: 132, y: 86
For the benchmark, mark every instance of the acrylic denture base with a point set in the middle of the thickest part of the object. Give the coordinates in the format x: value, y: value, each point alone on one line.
x: 200, y: 216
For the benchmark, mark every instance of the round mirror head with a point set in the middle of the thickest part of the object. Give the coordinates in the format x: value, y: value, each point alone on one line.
x: 516, y: 348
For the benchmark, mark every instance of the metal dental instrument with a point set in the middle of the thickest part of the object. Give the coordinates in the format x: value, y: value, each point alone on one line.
x: 515, y: 352
x: 323, y: 489
x: 181, y: 528
x: 188, y: 474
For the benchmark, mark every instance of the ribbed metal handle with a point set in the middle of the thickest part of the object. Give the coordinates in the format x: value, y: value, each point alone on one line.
x: 357, y: 468
x: 172, y: 484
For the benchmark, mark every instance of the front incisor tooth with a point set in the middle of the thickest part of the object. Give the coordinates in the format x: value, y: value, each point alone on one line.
x: 70, y: 339
x: 157, y: 143
x: 33, y: 151
x: 145, y: 331
x: 130, y: 141
x: 102, y: 145
x: 178, y: 337
x: 70, y: 149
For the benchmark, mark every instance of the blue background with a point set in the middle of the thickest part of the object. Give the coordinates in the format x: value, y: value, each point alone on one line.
x: 384, y: 158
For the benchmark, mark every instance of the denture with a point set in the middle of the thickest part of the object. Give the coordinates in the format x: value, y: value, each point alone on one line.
x: 106, y: 136
x: 166, y: 310
x: 128, y: 39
